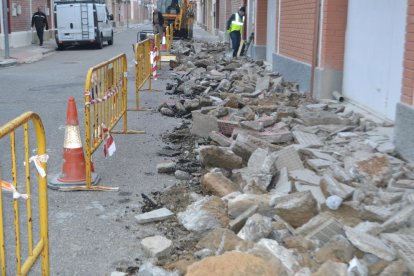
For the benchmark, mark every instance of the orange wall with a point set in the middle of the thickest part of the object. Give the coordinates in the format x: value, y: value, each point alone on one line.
x: 261, y: 22
x: 408, y: 78
x: 296, y: 29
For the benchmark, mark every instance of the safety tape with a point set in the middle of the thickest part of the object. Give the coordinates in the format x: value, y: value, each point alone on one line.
x: 7, y: 186
x: 37, y: 159
x: 104, y: 98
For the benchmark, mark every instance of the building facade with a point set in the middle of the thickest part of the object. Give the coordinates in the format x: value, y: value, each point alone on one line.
x: 363, y: 49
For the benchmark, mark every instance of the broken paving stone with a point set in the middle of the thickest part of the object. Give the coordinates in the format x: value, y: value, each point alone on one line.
x: 205, y: 214
x: 203, y: 124
x: 312, y: 118
x: 370, y: 244
x: 267, y: 121
x: 314, y: 153
x: 307, y: 139
x: 217, y: 184
x: 368, y: 227
x: 167, y: 167
x: 404, y: 244
x: 236, y: 224
x: 404, y: 184
x: 256, y: 227
x: 240, y: 203
x: 316, y: 191
x: 330, y: 186
x: 283, y: 185
x: 318, y: 164
x: 297, y: 208
x: 262, y: 161
x: 322, y: 230
x: 399, y: 219
x: 379, y: 213
x: 331, y: 268
x: 337, y: 248
x: 245, y: 145
x: 375, y: 169
x: 357, y: 267
x: 299, y: 243
x: 340, y: 174
x: 278, y: 133
x: 148, y: 269
x: 220, y: 139
x: 305, y: 176
x: 219, y: 240
x: 182, y: 175
x: 398, y: 268
x: 252, y: 125
x: 286, y: 257
x: 288, y: 157
x: 231, y: 263
x: 157, y: 246
x: 386, y: 148
x: 213, y: 156
x: 155, y: 215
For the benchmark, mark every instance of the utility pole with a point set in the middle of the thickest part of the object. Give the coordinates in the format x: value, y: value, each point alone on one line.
x: 6, y: 30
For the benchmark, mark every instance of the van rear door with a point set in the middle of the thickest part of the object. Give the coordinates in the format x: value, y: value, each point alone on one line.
x: 75, y: 22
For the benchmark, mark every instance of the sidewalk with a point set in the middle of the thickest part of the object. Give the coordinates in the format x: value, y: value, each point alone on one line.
x: 27, y: 54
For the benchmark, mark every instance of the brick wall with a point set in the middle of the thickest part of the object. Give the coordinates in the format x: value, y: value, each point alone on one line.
x: 408, y: 77
x: 261, y: 22
x: 333, y: 34
x: 222, y: 15
x: 296, y: 29
x: 235, y: 5
x: 22, y: 22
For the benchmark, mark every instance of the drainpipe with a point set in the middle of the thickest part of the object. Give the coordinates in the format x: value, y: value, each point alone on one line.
x: 315, y: 45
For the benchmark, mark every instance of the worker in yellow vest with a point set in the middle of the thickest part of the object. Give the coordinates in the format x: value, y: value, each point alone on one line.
x: 235, y: 28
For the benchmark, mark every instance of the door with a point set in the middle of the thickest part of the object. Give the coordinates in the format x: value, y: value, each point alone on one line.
x: 374, y: 49
x: 68, y: 20
x: 103, y: 21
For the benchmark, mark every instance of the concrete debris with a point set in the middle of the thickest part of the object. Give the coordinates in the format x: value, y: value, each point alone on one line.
x: 213, y: 156
x: 217, y: 184
x: 289, y: 185
x: 256, y: 227
x: 182, y: 175
x: 370, y: 244
x: 148, y: 269
x: 204, y: 215
x: 297, y: 208
x: 231, y: 263
x: 157, y: 246
x: 155, y: 215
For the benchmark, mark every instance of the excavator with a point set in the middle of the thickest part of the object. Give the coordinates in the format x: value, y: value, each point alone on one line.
x: 180, y: 13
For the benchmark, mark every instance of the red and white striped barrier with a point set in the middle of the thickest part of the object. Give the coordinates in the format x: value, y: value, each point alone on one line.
x: 154, y: 61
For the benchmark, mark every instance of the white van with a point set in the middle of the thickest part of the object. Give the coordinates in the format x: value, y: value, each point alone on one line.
x: 82, y: 22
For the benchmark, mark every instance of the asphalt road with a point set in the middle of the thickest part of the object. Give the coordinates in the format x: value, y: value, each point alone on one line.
x: 91, y: 233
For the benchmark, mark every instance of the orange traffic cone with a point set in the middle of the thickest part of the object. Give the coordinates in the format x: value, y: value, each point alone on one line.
x: 73, y: 168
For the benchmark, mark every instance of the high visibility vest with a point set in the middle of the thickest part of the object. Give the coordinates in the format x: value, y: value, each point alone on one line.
x: 237, y: 23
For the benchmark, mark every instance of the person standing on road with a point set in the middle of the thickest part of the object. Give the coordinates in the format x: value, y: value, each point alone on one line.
x: 158, y: 22
x: 235, y: 28
x: 39, y: 20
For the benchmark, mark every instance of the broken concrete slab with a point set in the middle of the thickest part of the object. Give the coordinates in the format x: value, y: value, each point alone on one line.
x: 205, y: 214
x: 283, y: 185
x: 240, y: 203
x: 217, y: 184
x: 318, y: 164
x: 316, y: 191
x: 375, y: 169
x: 398, y: 219
x: 213, y: 156
x: 323, y: 232
x: 330, y: 186
x: 220, y: 139
x: 157, y: 246
x: 332, y: 268
x: 288, y: 157
x: 231, y: 263
x: 278, y: 133
x: 307, y: 139
x: 404, y: 244
x: 236, y: 224
x: 297, y: 208
x: 245, y: 145
x: 155, y: 215
x: 305, y: 176
x: 370, y: 244
x: 203, y: 124
x: 337, y: 248
x: 219, y: 240
x: 256, y: 227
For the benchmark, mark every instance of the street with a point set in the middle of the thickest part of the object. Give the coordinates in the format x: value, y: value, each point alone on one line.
x: 91, y: 233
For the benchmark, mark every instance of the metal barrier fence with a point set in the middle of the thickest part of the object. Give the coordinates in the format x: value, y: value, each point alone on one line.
x: 142, y: 68
x: 157, y: 44
x: 169, y: 35
x: 41, y: 248
x: 105, y: 104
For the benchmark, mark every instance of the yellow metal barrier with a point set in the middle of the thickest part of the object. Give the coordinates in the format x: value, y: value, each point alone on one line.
x: 142, y: 68
x: 169, y: 35
x: 41, y: 249
x: 157, y: 44
x: 105, y: 104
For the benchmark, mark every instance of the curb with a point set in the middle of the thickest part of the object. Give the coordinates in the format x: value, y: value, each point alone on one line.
x: 8, y: 62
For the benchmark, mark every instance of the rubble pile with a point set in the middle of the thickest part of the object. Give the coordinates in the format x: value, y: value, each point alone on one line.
x: 290, y: 186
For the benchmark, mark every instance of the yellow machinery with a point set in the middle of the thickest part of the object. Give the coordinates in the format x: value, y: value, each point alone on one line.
x: 180, y: 13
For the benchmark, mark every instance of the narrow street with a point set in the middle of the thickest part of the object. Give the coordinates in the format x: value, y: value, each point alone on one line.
x: 89, y: 230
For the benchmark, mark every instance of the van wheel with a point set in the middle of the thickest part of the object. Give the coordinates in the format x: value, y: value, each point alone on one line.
x: 100, y: 43
x: 111, y: 41
x: 60, y: 47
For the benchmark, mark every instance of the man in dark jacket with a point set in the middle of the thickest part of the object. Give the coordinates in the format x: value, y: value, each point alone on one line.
x: 39, y: 20
x: 158, y: 22
x: 235, y: 28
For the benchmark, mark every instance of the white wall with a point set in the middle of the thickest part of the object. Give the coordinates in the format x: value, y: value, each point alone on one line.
x: 271, y: 30
x: 374, y: 51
